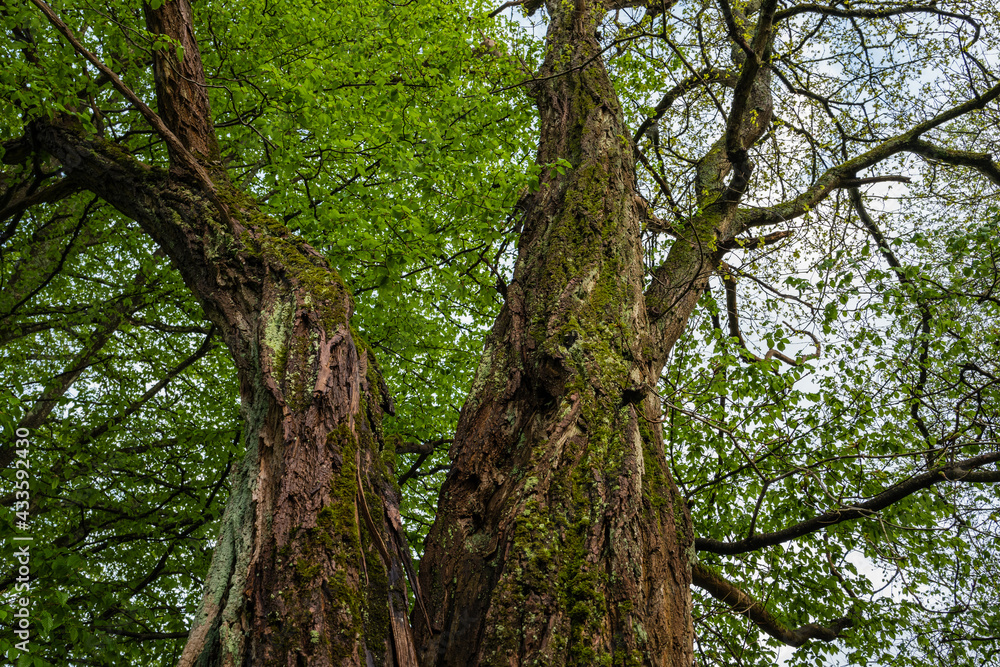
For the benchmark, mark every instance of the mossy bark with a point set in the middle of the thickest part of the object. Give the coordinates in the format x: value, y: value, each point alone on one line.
x: 310, y: 564
x: 561, y: 538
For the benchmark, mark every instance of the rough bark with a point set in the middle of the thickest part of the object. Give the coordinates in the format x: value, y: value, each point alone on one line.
x: 309, y: 567
x: 560, y: 537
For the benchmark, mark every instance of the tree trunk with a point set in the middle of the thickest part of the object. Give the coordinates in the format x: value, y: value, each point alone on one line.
x: 310, y: 565
x: 560, y: 537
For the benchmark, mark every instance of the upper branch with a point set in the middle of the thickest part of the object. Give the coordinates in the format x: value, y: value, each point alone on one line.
x: 880, y: 13
x: 703, y: 77
x: 962, y: 471
x: 736, y: 130
x: 981, y: 162
x: 181, y: 95
x: 178, y: 150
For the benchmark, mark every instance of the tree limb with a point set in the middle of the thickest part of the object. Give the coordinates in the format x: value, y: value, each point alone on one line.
x: 743, y: 603
x: 176, y: 148
x: 836, y: 177
x: 705, y: 76
x: 962, y: 471
x: 981, y: 162
x: 880, y: 13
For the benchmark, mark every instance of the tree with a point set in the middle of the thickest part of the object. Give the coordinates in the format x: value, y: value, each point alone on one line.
x: 617, y: 443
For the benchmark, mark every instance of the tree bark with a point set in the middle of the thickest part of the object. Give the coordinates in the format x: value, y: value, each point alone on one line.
x: 310, y: 564
x: 561, y: 538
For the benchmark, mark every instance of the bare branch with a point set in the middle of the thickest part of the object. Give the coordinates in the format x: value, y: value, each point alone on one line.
x: 695, y: 80
x: 880, y: 13
x: 981, y: 162
x: 835, y: 177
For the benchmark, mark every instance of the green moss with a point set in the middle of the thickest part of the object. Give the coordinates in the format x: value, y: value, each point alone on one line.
x: 269, y: 240
x: 306, y: 571
x: 276, y: 333
x: 338, y: 518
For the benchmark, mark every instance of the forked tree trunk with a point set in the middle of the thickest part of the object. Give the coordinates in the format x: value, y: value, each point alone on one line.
x: 560, y: 537
x: 310, y: 564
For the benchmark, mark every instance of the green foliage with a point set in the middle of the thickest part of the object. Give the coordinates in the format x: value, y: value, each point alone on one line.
x: 125, y: 483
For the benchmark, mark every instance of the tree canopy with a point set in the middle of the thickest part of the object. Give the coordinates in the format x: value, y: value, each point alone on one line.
x: 819, y: 213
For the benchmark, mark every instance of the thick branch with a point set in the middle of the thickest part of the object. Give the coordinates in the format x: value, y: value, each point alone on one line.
x: 181, y: 96
x: 981, y: 162
x: 743, y: 603
x: 20, y: 200
x: 963, y: 471
x: 176, y: 147
x: 736, y: 128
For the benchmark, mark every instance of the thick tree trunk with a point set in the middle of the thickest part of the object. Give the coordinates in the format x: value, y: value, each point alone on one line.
x: 310, y: 565
x: 561, y: 538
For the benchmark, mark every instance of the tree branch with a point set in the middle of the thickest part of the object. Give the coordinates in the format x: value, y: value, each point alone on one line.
x: 19, y: 200
x: 962, y: 471
x: 421, y: 447
x: 881, y: 13
x: 176, y: 148
x: 836, y: 177
x: 742, y: 603
x: 981, y: 162
x: 732, y: 312
x: 916, y: 391
x: 705, y: 76
x: 142, y: 636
